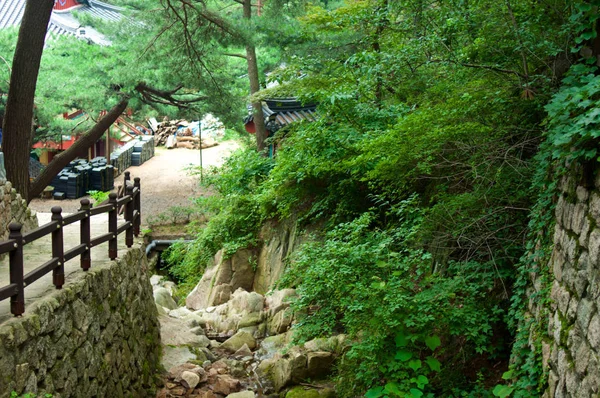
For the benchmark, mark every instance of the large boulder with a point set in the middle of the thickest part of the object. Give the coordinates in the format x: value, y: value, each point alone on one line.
x: 244, y: 302
x: 281, y: 240
x: 198, y: 298
x: 163, y: 298
x: 222, y: 278
x: 175, y: 332
x: 238, y: 340
x: 279, y: 299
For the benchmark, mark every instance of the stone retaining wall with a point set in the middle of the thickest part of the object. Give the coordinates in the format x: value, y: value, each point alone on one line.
x: 98, y: 336
x: 570, y: 340
x: 13, y: 208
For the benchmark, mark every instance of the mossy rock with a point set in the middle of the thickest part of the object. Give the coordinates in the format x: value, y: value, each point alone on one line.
x: 304, y: 392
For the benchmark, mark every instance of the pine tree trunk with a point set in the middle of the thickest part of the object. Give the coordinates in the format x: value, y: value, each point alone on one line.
x: 259, y: 119
x: 17, y: 127
x: 79, y: 148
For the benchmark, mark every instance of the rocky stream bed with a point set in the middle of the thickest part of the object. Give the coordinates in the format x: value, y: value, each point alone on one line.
x: 240, y: 349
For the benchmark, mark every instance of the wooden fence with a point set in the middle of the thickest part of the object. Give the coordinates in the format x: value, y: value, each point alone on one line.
x: 130, y: 202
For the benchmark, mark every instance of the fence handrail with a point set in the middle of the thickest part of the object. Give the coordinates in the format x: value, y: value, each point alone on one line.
x: 13, y: 246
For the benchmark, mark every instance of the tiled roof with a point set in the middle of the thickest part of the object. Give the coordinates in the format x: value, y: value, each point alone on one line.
x: 64, y: 23
x: 280, y: 112
x: 11, y: 12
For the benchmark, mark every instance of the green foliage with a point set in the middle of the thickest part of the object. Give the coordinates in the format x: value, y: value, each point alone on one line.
x: 235, y: 215
x: 98, y: 196
x: 373, y: 285
x: 14, y: 394
x: 568, y: 148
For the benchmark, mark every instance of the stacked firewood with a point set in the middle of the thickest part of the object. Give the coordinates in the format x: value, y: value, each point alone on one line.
x: 166, y: 129
x: 194, y: 142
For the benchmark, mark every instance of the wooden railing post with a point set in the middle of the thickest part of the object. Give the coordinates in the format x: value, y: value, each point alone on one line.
x: 129, y: 216
x: 58, y: 248
x: 85, y: 259
x: 17, y: 302
x: 126, y: 179
x: 112, y: 226
x: 138, y: 206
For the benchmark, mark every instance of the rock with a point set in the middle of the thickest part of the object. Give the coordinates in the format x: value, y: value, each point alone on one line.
x: 220, y: 294
x: 170, y: 286
x: 174, y: 332
x: 199, y: 330
x: 280, y: 322
x: 279, y: 299
x: 163, y: 298
x: 281, y: 240
x: 198, y: 298
x: 277, y: 370
x: 226, y: 385
x: 156, y: 279
x: 321, y: 344
x: 270, y: 345
x: 161, y: 310
x: 241, y: 394
x: 238, y: 340
x: 206, y: 394
x: 176, y: 371
x: 244, y: 302
x: 319, y: 363
x: 243, y: 351
x: 173, y: 356
x: 194, y: 320
x: 190, y: 380
x: 252, y: 319
x: 181, y: 312
x: 306, y: 392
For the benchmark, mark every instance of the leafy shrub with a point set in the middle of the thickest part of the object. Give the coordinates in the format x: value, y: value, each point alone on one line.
x: 374, y: 285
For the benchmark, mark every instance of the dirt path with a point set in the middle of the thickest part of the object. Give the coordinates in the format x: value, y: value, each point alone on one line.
x: 164, y: 180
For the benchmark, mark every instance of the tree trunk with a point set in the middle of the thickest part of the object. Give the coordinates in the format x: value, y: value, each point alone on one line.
x: 18, y: 115
x: 77, y: 149
x: 259, y: 119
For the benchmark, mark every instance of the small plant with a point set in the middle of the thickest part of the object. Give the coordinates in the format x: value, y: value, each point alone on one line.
x: 98, y: 196
x: 408, y: 369
x: 14, y: 394
x: 180, y: 214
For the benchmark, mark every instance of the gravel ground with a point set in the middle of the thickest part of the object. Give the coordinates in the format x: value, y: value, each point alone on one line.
x: 165, y: 182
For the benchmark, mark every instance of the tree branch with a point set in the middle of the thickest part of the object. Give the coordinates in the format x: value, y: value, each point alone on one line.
x: 81, y: 145
x: 151, y: 95
x: 236, y: 55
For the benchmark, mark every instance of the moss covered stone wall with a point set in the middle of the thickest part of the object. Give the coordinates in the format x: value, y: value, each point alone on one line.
x: 569, y: 336
x: 98, y: 336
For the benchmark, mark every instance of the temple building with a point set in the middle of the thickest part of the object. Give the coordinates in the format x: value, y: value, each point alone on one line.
x: 63, y: 21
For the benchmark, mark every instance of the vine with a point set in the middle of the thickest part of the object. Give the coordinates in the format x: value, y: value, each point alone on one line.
x: 572, y: 138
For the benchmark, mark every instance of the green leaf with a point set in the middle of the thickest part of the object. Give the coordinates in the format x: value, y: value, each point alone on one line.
x: 392, y: 388
x: 401, y: 340
x: 507, y: 375
x: 375, y: 392
x: 433, y: 342
x: 403, y: 355
x: 416, y: 393
x: 422, y: 380
x: 433, y: 364
x: 502, y: 391
x: 415, y: 364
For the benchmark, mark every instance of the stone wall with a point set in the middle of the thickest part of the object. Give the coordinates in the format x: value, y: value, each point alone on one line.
x: 570, y: 340
x: 98, y: 336
x: 13, y: 208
